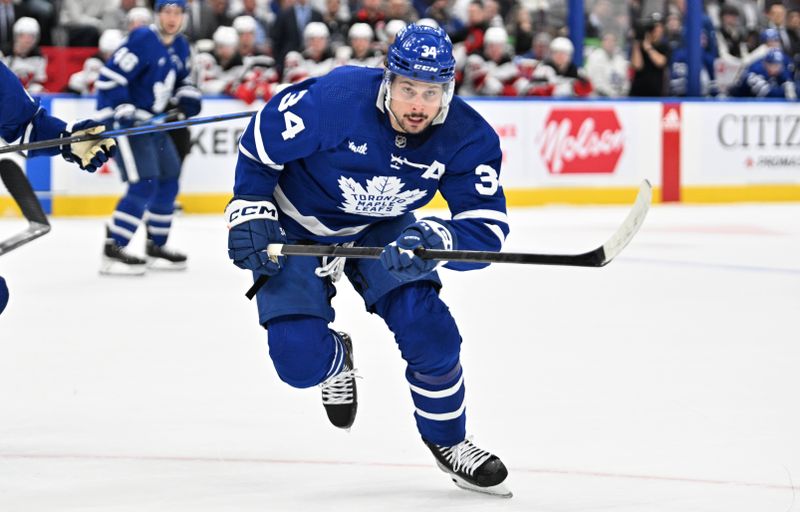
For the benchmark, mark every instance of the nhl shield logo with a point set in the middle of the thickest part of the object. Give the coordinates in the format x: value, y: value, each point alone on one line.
x: 400, y: 141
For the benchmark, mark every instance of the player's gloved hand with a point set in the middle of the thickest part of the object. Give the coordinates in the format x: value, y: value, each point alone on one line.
x: 124, y: 116
x: 189, y: 106
x: 90, y: 155
x: 398, y: 257
x: 252, y: 225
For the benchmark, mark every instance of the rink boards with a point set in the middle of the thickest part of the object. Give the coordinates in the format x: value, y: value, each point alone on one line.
x: 573, y: 152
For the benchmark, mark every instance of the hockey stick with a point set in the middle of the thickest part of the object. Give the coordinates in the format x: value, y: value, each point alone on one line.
x: 20, y: 188
x: 598, y: 257
x: 124, y: 132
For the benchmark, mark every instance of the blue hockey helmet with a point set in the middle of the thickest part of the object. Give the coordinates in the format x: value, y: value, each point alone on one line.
x: 774, y: 56
x: 160, y: 4
x: 421, y: 52
x: 770, y: 34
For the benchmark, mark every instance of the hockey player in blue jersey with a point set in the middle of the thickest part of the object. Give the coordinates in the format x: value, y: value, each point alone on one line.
x: 769, y: 77
x: 148, y: 74
x: 23, y: 120
x: 346, y: 158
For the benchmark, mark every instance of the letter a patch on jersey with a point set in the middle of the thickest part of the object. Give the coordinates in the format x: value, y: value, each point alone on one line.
x: 383, y: 196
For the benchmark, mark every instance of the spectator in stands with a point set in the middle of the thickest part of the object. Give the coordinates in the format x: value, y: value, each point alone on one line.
x: 247, y: 28
x: 263, y: 18
x: 390, y: 32
x: 10, y: 12
x: 768, y: 77
x: 138, y: 17
x: 599, y: 19
x: 200, y: 20
x: 649, y: 58
x: 25, y: 60
x: 83, y: 81
x: 500, y: 72
x: 563, y: 74
x: 607, y: 68
x: 491, y: 13
x: 372, y: 14
x: 793, y: 28
x: 679, y: 71
x: 400, y: 10
x: 82, y: 20
x: 471, y: 36
x: 117, y: 17
x: 541, y: 47
x: 521, y: 30
x: 361, y: 51
x: 336, y: 22
x: 731, y: 36
x: 219, y: 9
x: 776, y: 19
x: 770, y: 38
x: 440, y: 12
x: 317, y: 55
x: 218, y: 69
x: 287, y: 34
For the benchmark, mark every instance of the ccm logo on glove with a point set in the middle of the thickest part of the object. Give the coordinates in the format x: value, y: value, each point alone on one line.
x: 240, y: 211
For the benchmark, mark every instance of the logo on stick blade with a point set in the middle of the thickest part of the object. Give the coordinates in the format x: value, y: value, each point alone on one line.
x: 581, y: 141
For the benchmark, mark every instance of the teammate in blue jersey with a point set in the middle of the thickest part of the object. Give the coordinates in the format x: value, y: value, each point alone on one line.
x: 22, y: 120
x: 141, y: 82
x: 769, y: 77
x: 346, y: 158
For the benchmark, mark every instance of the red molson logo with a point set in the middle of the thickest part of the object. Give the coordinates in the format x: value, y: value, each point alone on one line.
x: 582, y: 141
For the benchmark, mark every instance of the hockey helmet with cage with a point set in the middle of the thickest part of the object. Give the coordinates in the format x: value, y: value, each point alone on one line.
x: 422, y: 53
x: 160, y: 4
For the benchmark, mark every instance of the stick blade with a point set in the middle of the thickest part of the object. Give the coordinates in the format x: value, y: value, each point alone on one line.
x: 630, y: 226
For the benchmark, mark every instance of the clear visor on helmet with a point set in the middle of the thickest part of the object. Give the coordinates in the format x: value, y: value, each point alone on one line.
x: 403, y: 89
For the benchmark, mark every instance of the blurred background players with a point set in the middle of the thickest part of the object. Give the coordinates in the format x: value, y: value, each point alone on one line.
x: 147, y: 75
x: 25, y: 59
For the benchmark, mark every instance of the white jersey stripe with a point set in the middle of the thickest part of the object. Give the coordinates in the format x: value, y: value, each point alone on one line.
x: 444, y: 393
x: 497, y: 232
x: 310, y: 223
x: 126, y: 217
x: 482, y: 214
x: 445, y: 416
x: 119, y: 230
x: 262, y: 151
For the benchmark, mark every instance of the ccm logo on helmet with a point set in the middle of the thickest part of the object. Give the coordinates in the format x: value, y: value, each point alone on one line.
x: 423, y: 67
x: 239, y: 211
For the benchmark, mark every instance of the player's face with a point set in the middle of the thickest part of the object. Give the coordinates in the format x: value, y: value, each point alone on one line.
x: 170, y: 18
x: 415, y: 104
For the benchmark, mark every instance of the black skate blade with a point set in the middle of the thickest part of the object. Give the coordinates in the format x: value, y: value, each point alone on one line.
x: 499, y: 491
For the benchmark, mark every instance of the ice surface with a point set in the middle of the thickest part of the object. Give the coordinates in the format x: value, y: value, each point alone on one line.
x: 666, y: 381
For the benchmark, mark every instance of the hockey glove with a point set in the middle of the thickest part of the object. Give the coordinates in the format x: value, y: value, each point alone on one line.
x: 189, y: 106
x: 398, y: 257
x: 252, y: 225
x: 90, y: 155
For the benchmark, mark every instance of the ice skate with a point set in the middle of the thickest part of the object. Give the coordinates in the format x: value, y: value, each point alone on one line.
x: 471, y: 468
x: 116, y: 261
x: 339, y: 392
x: 160, y: 257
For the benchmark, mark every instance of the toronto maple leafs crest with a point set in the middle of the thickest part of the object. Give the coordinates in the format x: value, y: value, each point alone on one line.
x: 383, y: 196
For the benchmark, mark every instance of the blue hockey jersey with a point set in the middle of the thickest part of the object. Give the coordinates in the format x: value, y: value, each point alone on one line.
x: 145, y: 73
x: 325, y: 151
x: 21, y: 118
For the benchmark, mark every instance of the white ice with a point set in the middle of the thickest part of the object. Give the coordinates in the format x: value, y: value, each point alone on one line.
x: 666, y: 381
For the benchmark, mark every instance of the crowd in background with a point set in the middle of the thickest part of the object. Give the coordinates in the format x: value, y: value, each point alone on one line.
x: 248, y: 49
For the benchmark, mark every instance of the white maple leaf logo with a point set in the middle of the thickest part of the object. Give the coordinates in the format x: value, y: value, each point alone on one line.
x: 383, y: 197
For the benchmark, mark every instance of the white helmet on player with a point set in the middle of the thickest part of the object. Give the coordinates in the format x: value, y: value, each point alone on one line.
x: 562, y: 44
x: 360, y: 31
x: 495, y: 35
x: 226, y: 37
x: 110, y: 41
x: 316, y: 29
x: 244, y: 24
x: 26, y: 25
x: 139, y: 17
